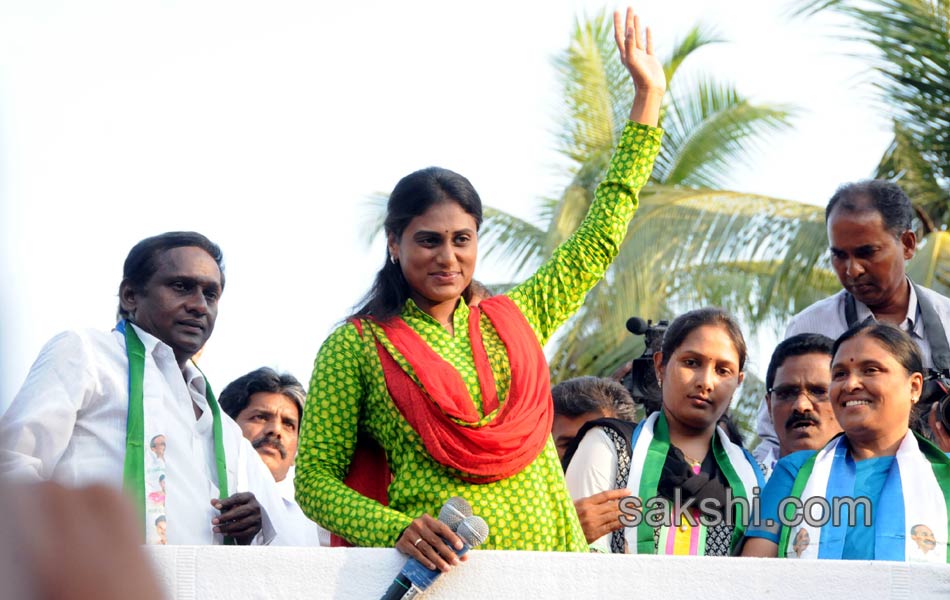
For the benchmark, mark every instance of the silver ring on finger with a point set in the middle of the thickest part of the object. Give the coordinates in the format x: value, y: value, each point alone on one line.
x: 416, y: 543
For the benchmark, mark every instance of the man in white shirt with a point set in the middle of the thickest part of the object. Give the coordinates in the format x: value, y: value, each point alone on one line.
x: 870, y: 237
x: 129, y: 408
x: 268, y: 407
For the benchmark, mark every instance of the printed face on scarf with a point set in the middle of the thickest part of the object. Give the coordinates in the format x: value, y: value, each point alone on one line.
x: 871, y: 391
x: 699, y: 378
x: 923, y: 536
x: 437, y: 253
x: 158, y: 446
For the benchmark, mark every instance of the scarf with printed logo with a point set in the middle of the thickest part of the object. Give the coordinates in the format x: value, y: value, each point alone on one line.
x: 915, y: 496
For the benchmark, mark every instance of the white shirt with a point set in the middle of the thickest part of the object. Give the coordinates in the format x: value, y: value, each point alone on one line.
x: 68, y: 423
x: 593, y: 469
x: 312, y: 533
x: 827, y: 317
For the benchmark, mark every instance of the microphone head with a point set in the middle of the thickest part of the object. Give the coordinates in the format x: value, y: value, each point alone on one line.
x: 473, y: 531
x: 454, y: 511
x: 637, y: 326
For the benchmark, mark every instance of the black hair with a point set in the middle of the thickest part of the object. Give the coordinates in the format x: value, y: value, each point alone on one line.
x: 732, y: 430
x: 581, y: 395
x: 884, y: 197
x: 414, y: 195
x: 237, y: 395
x: 142, y: 261
x: 686, y: 323
x: 896, y: 341
x: 797, y: 345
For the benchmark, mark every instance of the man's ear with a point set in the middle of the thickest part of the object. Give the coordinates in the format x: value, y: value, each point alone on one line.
x: 127, y: 297
x: 909, y: 242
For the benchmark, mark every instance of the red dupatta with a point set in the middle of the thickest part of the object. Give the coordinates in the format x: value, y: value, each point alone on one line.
x: 442, y: 411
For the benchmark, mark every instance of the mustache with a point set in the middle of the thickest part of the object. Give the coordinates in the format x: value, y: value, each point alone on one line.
x: 271, y: 441
x: 797, y: 417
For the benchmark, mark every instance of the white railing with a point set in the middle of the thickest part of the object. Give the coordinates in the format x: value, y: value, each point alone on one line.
x: 228, y: 573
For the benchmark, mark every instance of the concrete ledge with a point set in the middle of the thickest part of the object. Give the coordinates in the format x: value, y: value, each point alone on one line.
x: 227, y: 573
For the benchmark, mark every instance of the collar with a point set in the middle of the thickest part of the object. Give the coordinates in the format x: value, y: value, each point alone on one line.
x: 911, y: 322
x: 286, y: 485
x: 411, y: 310
x: 193, y: 377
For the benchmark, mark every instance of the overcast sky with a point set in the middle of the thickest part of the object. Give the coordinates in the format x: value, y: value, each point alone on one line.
x: 266, y: 125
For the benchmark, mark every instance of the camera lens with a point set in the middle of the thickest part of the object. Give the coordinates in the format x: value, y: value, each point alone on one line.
x: 943, y: 412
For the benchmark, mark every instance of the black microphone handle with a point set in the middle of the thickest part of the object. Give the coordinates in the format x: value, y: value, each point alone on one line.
x: 401, y: 589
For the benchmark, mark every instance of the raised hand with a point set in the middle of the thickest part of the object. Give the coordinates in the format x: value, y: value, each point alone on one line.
x: 636, y: 54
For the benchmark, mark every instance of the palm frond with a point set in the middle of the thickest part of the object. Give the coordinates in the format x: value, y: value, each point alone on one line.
x: 759, y: 257
x: 697, y: 37
x: 912, y: 43
x: 931, y: 265
x: 905, y: 164
x: 519, y: 242
x: 591, y: 83
x: 709, y: 128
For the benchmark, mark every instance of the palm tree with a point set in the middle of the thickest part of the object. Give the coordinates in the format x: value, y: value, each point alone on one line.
x: 691, y: 243
x: 911, y: 43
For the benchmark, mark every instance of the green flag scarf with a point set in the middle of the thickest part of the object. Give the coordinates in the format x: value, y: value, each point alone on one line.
x: 133, y: 473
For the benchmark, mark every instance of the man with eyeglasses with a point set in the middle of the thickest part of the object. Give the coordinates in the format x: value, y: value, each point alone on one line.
x: 797, y: 381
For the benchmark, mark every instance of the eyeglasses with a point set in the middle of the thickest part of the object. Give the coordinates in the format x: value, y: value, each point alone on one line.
x: 787, y: 394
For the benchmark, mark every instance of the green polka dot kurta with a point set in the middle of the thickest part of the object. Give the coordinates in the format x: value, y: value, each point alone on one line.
x: 527, y: 511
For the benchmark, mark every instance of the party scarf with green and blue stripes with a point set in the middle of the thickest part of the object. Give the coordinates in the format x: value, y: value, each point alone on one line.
x: 650, y: 446
x: 916, y: 492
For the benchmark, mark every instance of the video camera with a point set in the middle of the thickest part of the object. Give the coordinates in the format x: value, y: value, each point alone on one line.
x: 937, y: 391
x: 641, y: 380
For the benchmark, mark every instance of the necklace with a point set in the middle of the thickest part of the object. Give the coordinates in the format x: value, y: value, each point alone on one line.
x: 692, y: 461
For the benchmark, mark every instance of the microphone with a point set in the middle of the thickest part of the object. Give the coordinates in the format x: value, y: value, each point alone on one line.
x: 414, y: 578
x: 637, y: 326
x: 454, y: 511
